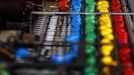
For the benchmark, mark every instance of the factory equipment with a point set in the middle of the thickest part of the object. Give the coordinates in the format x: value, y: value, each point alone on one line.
x: 66, y: 37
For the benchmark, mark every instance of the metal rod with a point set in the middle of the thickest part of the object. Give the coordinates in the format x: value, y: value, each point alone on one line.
x: 82, y: 13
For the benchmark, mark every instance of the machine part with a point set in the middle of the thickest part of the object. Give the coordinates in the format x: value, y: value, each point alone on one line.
x: 60, y: 56
x: 51, y: 28
x: 131, y: 5
x: 56, y: 52
x: 63, y: 58
x: 40, y: 27
x: 22, y: 26
x: 36, y: 72
x: 28, y: 38
x: 6, y: 52
x: 7, y: 34
x: 129, y: 21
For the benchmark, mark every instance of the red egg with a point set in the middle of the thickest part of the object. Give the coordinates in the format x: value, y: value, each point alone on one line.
x: 119, y: 23
x: 119, y: 28
x: 63, y: 6
x: 125, y: 54
x: 115, y: 6
x: 128, y: 72
x: 116, y: 3
x: 118, y: 17
x: 126, y: 64
x: 117, y: 10
x: 122, y: 38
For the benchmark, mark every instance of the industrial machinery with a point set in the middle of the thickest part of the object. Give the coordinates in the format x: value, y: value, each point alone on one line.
x: 14, y: 14
x: 66, y: 37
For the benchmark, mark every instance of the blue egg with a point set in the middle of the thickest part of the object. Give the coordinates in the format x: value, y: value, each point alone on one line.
x: 73, y: 54
x: 68, y: 58
x: 75, y: 3
x: 21, y: 53
x: 74, y: 25
x: 69, y: 38
x: 57, y: 59
x: 75, y: 29
x: 75, y: 16
x: 74, y: 50
x: 80, y: 0
x: 75, y: 33
x: 76, y: 20
x: 73, y: 38
x: 76, y: 10
x: 74, y: 47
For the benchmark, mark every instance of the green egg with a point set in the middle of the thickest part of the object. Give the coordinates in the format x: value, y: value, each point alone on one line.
x: 90, y: 39
x: 91, y: 71
x: 90, y: 2
x: 90, y: 49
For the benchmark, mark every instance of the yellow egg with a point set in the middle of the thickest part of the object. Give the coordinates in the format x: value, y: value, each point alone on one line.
x: 105, y: 5
x: 105, y: 2
x: 102, y: 3
x: 106, y: 25
x: 99, y: 7
x: 105, y: 18
x: 101, y: 22
x: 109, y: 36
x: 105, y: 52
x: 106, y: 70
x: 106, y: 15
x: 108, y: 20
x: 101, y: 19
x: 107, y: 60
x: 103, y: 10
x: 102, y: 27
x: 105, y: 41
x: 102, y: 7
x: 106, y: 32
x: 109, y: 25
x: 99, y: 3
x: 108, y: 47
